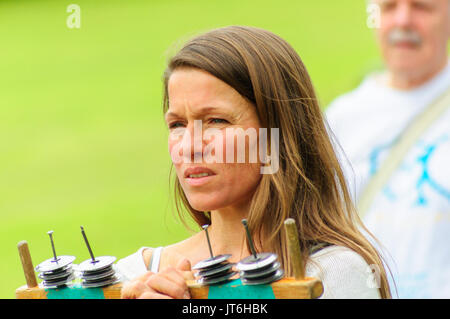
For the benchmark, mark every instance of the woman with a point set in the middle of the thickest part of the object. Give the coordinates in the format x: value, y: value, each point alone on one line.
x: 250, y: 79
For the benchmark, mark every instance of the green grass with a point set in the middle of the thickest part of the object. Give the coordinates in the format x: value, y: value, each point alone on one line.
x: 82, y: 139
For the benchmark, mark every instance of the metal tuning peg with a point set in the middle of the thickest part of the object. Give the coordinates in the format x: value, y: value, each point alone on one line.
x: 57, y: 271
x: 258, y: 268
x: 97, y: 271
x: 215, y: 269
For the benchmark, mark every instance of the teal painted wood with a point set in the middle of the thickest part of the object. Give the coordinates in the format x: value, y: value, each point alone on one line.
x: 236, y: 290
x: 75, y: 292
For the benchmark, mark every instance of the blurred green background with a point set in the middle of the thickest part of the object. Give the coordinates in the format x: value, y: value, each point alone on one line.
x: 82, y: 137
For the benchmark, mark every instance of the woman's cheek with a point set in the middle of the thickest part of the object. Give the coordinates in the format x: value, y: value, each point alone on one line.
x: 234, y: 152
x: 173, y: 154
x: 176, y: 144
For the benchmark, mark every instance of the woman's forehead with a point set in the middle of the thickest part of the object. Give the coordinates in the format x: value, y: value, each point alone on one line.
x: 198, y: 86
x: 199, y: 92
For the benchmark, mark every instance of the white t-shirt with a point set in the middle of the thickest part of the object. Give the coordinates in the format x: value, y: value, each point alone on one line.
x: 344, y: 273
x: 411, y: 214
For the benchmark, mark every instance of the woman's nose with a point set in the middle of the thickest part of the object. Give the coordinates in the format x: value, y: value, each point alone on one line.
x: 192, y: 142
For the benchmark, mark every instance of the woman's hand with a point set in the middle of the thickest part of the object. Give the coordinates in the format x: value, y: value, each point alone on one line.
x: 170, y: 283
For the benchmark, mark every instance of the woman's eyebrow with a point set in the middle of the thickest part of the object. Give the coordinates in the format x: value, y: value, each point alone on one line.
x: 201, y: 111
x: 170, y: 114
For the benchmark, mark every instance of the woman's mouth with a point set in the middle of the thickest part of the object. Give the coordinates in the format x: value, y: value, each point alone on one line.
x: 197, y: 176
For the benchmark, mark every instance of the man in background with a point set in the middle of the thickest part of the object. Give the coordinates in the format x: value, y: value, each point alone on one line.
x: 410, y: 213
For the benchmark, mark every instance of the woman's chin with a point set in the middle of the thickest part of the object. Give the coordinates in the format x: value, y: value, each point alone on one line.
x: 205, y: 204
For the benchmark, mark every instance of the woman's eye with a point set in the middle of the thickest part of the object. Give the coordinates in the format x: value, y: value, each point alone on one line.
x: 218, y: 121
x: 175, y: 125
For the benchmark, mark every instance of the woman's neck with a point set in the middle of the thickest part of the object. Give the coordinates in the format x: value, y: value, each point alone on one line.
x: 227, y: 232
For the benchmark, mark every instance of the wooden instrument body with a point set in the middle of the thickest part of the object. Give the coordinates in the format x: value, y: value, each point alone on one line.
x: 299, y: 287
x: 286, y: 288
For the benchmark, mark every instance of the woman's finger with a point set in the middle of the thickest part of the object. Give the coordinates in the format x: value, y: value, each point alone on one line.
x: 169, y: 283
x: 184, y: 266
x: 175, y: 275
x: 133, y: 289
x: 153, y: 295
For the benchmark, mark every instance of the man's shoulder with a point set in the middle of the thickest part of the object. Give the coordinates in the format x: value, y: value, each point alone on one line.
x: 351, y: 100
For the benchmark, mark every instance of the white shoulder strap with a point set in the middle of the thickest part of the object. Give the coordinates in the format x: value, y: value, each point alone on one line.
x: 155, y: 260
x: 398, y: 151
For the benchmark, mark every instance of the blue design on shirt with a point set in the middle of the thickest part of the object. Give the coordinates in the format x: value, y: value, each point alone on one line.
x: 374, y: 157
x: 425, y: 178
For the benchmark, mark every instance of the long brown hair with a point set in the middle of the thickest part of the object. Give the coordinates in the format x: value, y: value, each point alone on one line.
x: 309, y: 185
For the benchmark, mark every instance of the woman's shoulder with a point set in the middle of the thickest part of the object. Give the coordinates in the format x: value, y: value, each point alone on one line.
x: 335, y: 253
x: 135, y: 264
x: 344, y: 273
x: 138, y: 263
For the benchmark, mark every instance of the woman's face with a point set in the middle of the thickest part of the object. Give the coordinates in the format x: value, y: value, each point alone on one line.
x: 202, y: 111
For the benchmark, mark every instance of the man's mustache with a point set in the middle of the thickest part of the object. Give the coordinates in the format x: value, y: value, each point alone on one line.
x: 398, y: 35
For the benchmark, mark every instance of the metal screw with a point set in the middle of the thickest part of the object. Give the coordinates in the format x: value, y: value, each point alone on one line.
x: 50, y: 233
x: 88, y: 246
x: 205, y: 227
x: 249, y: 238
